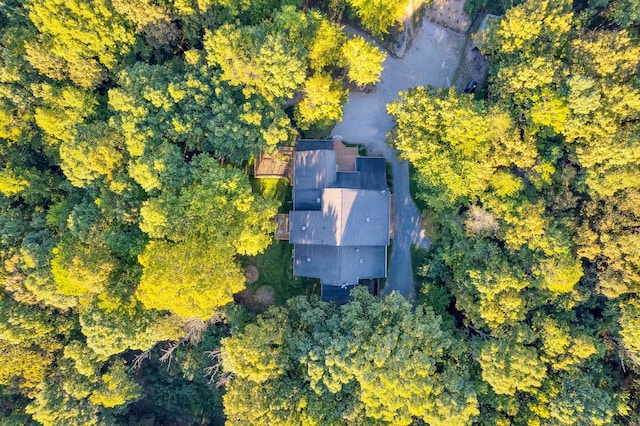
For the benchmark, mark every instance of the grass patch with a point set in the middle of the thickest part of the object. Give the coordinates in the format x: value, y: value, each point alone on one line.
x: 275, y: 266
x: 276, y: 189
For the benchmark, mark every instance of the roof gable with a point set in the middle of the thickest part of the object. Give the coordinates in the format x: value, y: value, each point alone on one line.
x: 348, y: 217
x: 312, y: 171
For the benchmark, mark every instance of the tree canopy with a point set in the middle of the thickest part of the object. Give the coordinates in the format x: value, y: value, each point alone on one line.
x: 131, y: 228
x: 371, y: 360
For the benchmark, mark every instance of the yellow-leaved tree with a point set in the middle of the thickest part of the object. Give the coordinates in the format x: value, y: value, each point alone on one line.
x: 189, y: 265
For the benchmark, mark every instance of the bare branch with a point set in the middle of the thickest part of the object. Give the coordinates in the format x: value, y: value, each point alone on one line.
x: 167, y: 355
x: 137, y: 361
x: 212, y: 371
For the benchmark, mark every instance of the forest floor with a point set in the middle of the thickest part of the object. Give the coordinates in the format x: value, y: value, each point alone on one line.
x: 449, y: 14
x: 433, y: 59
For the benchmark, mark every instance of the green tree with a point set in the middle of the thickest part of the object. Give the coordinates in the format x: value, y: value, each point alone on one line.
x: 84, y: 37
x: 11, y: 183
x: 95, y: 152
x: 489, y: 289
x: 565, y: 346
x: 371, y: 361
x: 189, y: 106
x: 378, y: 15
x: 574, y: 401
x: 155, y: 22
x: 510, y: 367
x: 114, y: 323
x: 79, y: 269
x: 625, y: 13
x: 262, y: 352
x: 258, y: 62
x: 82, y: 389
x: 62, y: 108
x: 322, y: 102
x: 560, y: 274
x: 363, y: 61
x: 447, y: 138
x: 189, y: 266
x: 190, y: 278
x: 607, y: 237
x: 326, y: 47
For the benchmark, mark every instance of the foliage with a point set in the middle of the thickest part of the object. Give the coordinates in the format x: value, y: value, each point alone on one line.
x: 378, y: 15
x: 452, y: 142
x: 126, y: 128
x: 263, y: 64
x: 375, y: 358
x: 82, y: 38
x: 322, y: 103
x: 363, y: 61
x: 189, y: 266
x: 534, y: 191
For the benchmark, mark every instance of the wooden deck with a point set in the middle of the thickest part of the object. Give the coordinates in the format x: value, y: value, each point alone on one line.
x: 345, y: 156
x: 275, y: 165
x: 282, y: 229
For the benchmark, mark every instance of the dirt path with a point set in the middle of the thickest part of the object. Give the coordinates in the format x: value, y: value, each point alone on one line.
x: 432, y: 60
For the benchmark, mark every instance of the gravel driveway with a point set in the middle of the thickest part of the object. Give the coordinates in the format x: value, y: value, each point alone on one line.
x: 432, y: 60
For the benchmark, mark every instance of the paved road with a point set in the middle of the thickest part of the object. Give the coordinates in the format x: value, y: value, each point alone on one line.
x: 432, y: 59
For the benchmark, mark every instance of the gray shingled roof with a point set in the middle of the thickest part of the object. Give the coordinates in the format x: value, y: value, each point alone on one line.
x: 340, y: 222
x: 313, y: 144
x: 373, y: 172
x: 336, y: 294
x: 339, y: 265
x: 348, y: 217
x: 313, y: 170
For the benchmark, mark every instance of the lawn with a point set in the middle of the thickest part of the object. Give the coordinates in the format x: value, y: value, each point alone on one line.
x: 275, y: 265
x: 274, y: 188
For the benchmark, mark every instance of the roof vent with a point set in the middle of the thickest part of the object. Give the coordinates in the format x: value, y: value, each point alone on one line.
x: 303, y: 227
x: 318, y: 200
x: 308, y: 260
x: 361, y: 260
x: 367, y: 219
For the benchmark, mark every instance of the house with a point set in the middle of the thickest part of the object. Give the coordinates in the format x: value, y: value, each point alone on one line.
x: 339, y: 224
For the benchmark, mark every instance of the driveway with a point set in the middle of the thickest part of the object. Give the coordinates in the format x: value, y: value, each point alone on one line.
x: 432, y: 60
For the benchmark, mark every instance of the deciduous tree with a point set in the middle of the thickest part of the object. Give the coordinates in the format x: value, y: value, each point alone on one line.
x: 376, y: 361
x: 87, y: 37
x: 322, y: 102
x: 189, y: 266
x: 378, y: 15
x: 363, y: 61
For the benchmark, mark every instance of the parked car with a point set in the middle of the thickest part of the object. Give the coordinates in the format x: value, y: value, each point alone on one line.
x: 471, y: 86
